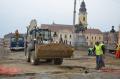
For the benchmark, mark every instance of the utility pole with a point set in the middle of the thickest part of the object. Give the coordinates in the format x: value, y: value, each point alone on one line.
x: 74, y: 13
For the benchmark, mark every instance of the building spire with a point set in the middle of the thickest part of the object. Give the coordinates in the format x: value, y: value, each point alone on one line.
x: 83, y: 15
x: 82, y: 7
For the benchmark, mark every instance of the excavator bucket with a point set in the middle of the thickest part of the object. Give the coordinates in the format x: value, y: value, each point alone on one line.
x: 54, y: 50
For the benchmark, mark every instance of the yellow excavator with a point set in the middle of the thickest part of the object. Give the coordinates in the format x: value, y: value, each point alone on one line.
x: 39, y: 46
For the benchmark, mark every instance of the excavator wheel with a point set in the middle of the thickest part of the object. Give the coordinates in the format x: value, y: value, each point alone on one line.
x: 48, y: 60
x: 58, y: 61
x: 28, y: 55
x: 33, y: 59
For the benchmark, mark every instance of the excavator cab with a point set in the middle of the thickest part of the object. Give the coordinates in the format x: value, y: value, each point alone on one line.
x: 41, y: 36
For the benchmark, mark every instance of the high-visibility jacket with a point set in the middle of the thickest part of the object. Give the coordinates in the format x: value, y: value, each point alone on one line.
x: 98, y: 50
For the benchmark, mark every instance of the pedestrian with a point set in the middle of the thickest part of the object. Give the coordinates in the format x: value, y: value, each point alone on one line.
x: 90, y: 51
x: 99, y: 53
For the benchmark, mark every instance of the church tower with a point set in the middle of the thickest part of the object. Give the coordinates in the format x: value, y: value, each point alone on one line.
x: 83, y: 15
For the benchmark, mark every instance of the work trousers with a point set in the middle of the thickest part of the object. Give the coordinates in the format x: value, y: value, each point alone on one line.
x: 99, y: 62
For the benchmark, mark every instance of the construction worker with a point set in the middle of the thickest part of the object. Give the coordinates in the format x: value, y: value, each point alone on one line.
x: 117, y: 54
x: 99, y: 53
x: 90, y: 51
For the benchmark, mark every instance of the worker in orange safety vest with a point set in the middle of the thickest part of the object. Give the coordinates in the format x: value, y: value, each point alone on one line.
x: 117, y: 54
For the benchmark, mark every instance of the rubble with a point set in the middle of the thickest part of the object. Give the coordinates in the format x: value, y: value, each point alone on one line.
x: 80, y: 66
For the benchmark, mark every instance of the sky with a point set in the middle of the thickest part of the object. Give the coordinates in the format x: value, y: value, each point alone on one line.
x: 17, y: 14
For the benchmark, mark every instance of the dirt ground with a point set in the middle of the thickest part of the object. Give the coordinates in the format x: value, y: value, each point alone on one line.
x: 80, y: 66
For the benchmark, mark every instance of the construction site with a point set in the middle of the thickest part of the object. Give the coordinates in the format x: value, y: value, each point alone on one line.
x: 42, y: 54
x: 13, y: 65
x: 88, y: 48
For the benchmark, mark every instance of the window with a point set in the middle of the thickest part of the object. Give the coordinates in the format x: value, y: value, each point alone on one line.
x: 83, y: 18
x: 70, y: 36
x: 13, y: 39
x: 99, y: 38
x: 65, y: 36
x: 95, y: 37
x: 87, y: 37
x: 20, y: 39
x: 92, y: 37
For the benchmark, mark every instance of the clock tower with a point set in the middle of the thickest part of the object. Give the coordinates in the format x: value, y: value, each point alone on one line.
x: 83, y: 15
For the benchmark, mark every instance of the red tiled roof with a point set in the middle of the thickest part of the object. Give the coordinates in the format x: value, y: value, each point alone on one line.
x: 93, y: 31
x: 57, y: 27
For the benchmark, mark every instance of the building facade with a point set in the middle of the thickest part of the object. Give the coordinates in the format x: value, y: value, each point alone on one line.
x: 93, y: 35
x: 60, y: 32
x: 78, y: 35
x: 65, y: 33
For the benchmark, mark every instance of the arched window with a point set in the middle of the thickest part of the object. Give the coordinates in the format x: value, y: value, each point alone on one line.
x: 65, y: 36
x: 83, y: 18
x: 99, y: 38
x: 70, y: 36
x: 87, y: 37
x: 92, y: 37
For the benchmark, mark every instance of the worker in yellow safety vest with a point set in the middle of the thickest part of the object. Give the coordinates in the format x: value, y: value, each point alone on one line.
x: 98, y: 49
